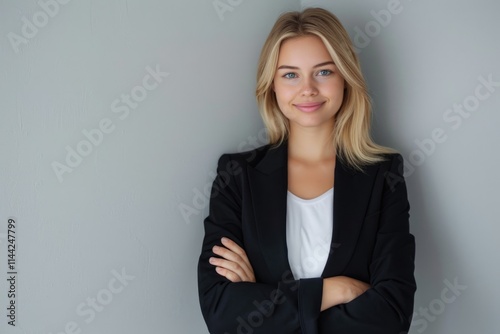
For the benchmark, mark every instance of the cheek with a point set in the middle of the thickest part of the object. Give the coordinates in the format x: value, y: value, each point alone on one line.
x: 334, y: 85
x: 335, y: 90
x: 284, y: 94
x: 283, y: 103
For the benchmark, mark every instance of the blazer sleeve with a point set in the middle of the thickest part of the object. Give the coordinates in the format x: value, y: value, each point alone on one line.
x: 387, y: 307
x: 287, y: 306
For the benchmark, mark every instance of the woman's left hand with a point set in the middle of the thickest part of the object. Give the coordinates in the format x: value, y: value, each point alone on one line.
x: 234, y: 264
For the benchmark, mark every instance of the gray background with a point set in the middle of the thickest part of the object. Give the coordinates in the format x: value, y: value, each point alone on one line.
x: 120, y: 208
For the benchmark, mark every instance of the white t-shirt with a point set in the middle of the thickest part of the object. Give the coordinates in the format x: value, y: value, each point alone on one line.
x: 309, y: 228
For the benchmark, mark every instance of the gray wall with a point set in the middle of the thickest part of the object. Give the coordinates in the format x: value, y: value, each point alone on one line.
x: 105, y: 165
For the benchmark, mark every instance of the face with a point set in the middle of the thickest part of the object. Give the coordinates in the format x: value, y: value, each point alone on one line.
x: 309, y: 89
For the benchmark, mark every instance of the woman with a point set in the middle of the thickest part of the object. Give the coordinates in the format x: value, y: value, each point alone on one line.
x: 281, y: 252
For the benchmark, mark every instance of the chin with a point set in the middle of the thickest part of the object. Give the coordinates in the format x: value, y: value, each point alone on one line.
x: 313, y: 119
x: 312, y: 124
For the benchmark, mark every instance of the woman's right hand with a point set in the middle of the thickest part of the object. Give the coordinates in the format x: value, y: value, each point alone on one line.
x: 233, y: 263
x: 340, y: 290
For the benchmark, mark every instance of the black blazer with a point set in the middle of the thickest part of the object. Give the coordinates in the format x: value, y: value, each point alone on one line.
x: 371, y: 242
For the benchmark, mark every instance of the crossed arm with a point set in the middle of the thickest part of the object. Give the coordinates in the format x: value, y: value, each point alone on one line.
x: 234, y: 265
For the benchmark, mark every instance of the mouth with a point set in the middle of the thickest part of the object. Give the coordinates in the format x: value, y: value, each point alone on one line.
x: 308, y: 106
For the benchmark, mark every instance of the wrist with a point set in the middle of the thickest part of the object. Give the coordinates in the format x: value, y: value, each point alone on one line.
x: 333, y: 293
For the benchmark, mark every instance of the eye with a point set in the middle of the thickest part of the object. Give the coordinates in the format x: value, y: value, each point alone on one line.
x: 325, y: 72
x: 290, y: 75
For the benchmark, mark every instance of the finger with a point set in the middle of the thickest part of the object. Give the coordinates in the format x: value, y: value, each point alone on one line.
x: 228, y: 274
x: 233, y: 246
x: 233, y: 257
x: 231, y: 266
x: 227, y: 254
x: 230, y: 244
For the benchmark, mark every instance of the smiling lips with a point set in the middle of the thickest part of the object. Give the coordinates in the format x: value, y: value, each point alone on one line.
x: 309, y: 106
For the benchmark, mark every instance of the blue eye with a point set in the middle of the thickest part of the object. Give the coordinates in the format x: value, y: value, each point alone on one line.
x: 290, y: 75
x: 325, y: 72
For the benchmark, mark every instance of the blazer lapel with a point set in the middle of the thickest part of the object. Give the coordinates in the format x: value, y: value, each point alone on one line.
x: 352, y: 191
x: 269, y: 184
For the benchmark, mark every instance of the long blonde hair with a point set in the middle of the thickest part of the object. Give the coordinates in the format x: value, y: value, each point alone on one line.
x: 351, y: 134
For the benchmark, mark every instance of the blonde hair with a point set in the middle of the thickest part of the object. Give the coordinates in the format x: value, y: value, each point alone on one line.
x: 351, y: 134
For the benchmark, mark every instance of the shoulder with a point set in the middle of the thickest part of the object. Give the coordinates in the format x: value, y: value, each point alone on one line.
x: 380, y: 162
x: 388, y: 160
x: 244, y: 158
x: 392, y: 171
x: 391, y: 164
x: 234, y: 166
x: 394, y: 162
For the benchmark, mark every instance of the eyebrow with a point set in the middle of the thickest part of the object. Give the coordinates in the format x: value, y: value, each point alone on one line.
x: 296, y: 68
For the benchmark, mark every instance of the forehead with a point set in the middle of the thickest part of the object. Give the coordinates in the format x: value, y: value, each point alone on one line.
x: 303, y: 51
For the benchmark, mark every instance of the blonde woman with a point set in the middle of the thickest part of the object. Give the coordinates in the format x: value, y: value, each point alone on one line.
x: 310, y: 233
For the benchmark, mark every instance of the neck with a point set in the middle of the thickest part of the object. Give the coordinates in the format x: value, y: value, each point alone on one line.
x: 310, y: 144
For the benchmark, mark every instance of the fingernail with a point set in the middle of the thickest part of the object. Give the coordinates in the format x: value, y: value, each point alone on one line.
x: 224, y: 239
x: 211, y: 260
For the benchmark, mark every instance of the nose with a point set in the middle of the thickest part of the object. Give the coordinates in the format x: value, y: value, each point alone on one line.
x: 309, y: 87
